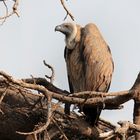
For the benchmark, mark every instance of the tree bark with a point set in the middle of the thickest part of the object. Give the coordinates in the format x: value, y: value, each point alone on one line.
x: 24, y: 110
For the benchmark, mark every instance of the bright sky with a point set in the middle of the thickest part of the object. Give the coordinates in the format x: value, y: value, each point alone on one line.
x: 30, y: 39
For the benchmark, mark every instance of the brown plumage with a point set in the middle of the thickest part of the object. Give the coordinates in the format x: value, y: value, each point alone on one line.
x: 89, y: 63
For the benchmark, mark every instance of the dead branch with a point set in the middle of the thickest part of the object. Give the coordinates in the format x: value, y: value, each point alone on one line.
x: 6, y: 11
x: 2, y: 96
x: 14, y: 10
x: 61, y: 131
x: 67, y: 11
x: 125, y: 130
x: 53, y: 72
x: 15, y: 7
x: 108, y: 102
x: 74, y: 123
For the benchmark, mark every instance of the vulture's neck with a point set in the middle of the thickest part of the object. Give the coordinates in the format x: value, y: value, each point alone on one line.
x: 73, y: 38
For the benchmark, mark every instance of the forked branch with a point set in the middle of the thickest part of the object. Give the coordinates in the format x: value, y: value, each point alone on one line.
x: 68, y: 13
x: 14, y: 10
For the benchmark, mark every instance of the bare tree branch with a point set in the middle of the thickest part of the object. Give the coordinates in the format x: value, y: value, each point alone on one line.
x: 14, y: 10
x: 74, y: 122
x: 67, y: 11
x: 109, y: 102
x: 53, y: 72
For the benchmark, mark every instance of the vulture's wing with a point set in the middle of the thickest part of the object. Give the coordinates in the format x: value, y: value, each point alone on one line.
x: 98, y: 64
x: 98, y: 67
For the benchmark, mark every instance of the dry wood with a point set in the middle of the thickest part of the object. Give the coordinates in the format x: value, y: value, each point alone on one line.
x: 67, y: 11
x: 7, y: 13
x: 22, y: 107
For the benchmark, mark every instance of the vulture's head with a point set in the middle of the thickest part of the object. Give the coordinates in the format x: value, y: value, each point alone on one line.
x: 70, y: 31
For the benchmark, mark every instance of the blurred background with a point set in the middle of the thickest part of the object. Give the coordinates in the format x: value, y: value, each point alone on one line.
x: 30, y: 39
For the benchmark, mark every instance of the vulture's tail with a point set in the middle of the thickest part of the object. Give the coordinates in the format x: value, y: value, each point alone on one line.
x: 92, y: 114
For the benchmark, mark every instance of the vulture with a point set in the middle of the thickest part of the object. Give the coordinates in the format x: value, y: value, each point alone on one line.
x: 89, y: 63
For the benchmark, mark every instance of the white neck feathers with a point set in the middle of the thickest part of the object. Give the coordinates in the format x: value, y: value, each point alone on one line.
x: 70, y: 40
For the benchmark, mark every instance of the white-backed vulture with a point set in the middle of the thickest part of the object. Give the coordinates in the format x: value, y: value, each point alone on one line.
x: 89, y: 63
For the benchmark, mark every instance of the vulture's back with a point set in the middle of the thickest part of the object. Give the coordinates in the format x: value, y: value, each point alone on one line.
x: 98, y: 60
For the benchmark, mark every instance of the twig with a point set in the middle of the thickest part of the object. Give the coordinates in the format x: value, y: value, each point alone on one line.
x: 67, y: 11
x: 123, y: 130
x: 107, y: 123
x: 53, y: 72
x: 2, y: 96
x: 6, y: 11
x: 43, y: 127
x: 9, y: 15
x: 34, y: 82
x: 61, y: 131
x: 36, y: 131
x: 46, y: 136
x: 22, y: 92
x: 49, y: 112
x: 49, y: 118
x: 129, y: 125
x: 14, y: 11
x: 35, y: 136
x: 38, y: 101
x: 15, y: 7
x: 106, y: 134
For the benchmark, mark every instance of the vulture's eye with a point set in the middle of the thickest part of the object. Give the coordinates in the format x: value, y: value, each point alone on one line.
x: 66, y: 26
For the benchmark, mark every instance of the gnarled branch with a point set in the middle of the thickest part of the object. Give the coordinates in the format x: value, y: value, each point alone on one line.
x: 74, y: 122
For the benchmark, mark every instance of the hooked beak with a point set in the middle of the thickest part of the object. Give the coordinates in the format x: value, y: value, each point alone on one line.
x: 62, y: 29
x: 58, y: 28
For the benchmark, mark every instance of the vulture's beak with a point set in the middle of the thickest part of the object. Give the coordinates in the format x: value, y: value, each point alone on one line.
x: 62, y: 29
x: 58, y: 28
